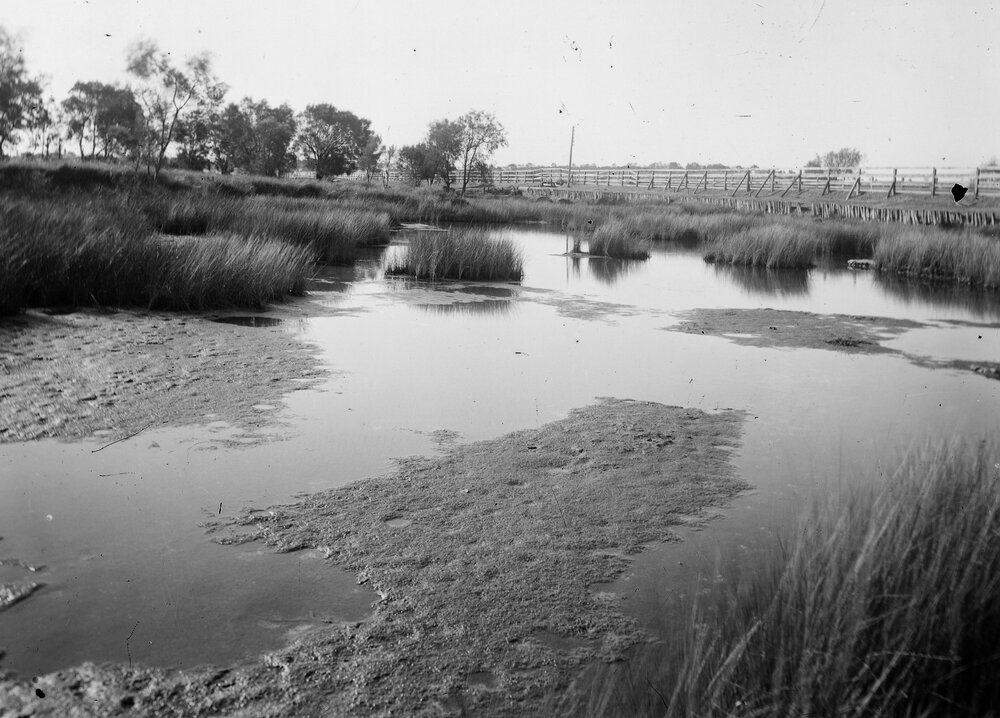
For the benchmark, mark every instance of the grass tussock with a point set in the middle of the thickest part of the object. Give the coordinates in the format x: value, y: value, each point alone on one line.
x: 100, y: 252
x: 614, y: 239
x: 885, y: 605
x: 770, y: 246
x: 963, y: 257
x: 469, y: 253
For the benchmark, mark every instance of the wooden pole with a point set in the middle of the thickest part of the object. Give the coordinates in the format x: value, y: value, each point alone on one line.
x: 934, y: 182
x: 855, y: 186
x: 572, y: 137
x: 978, y: 170
x: 892, y: 187
x: 746, y: 178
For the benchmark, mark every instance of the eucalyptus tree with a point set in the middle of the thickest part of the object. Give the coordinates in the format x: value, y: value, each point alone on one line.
x: 165, y: 92
x: 20, y: 94
x: 481, y: 135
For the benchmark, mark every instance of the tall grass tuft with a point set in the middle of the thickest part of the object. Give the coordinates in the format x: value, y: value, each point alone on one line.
x: 965, y: 257
x: 615, y: 239
x: 468, y: 253
x: 772, y: 246
x: 888, y: 604
x: 103, y: 252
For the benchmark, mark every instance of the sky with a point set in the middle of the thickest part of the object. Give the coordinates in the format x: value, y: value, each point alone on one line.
x: 771, y: 83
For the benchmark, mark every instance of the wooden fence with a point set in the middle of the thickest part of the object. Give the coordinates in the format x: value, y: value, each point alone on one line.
x: 884, y: 181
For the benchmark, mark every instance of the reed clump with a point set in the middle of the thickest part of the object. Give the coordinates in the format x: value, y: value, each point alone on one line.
x: 886, y: 604
x: 102, y: 252
x: 616, y: 240
x: 776, y: 246
x: 467, y: 253
x: 965, y: 257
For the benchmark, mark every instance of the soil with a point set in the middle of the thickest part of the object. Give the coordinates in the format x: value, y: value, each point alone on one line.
x: 795, y: 330
x: 75, y: 374
x: 488, y: 560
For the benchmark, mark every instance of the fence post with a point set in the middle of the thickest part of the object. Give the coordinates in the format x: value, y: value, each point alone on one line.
x: 933, y: 181
x: 978, y: 170
x: 725, y: 181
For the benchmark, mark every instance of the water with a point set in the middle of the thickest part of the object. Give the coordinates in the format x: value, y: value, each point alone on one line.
x: 120, y: 532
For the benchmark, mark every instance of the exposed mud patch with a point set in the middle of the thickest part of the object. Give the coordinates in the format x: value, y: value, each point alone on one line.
x: 485, y: 602
x: 71, y: 375
x: 783, y: 328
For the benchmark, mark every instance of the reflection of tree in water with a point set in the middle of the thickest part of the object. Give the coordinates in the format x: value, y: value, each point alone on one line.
x: 946, y: 295
x: 609, y: 271
x: 489, y: 307
x: 770, y: 282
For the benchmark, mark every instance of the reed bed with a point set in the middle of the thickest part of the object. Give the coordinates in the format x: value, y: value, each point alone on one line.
x: 100, y: 252
x: 467, y: 253
x: 886, y: 604
x: 965, y: 257
x: 616, y: 240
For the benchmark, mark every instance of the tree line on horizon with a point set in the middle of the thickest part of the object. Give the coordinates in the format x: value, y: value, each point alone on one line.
x: 182, y: 106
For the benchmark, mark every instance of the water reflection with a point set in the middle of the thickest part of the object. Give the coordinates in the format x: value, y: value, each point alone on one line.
x: 495, y: 307
x: 766, y: 282
x: 941, y: 295
x: 609, y: 271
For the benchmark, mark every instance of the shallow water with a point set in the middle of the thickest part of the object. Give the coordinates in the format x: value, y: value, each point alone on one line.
x: 120, y: 530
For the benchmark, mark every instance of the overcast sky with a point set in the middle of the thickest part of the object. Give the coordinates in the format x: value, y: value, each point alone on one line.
x: 768, y: 83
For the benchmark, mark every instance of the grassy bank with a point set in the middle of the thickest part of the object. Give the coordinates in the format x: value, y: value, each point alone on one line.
x: 962, y: 257
x: 884, y: 605
x: 100, y: 252
x: 468, y: 253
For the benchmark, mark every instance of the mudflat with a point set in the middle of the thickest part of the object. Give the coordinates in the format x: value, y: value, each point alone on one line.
x: 73, y: 374
x: 488, y: 560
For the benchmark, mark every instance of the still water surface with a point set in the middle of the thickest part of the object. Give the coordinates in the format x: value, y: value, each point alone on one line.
x: 120, y: 531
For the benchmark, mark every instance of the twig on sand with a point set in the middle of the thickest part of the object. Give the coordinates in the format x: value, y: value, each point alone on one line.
x: 124, y: 438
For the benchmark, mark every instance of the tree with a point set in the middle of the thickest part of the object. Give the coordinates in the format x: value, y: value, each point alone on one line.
x: 846, y: 157
x: 105, y: 115
x: 165, y: 92
x: 390, y: 153
x: 444, y: 147
x: 368, y: 158
x: 481, y: 136
x: 332, y: 141
x: 419, y: 162
x: 255, y: 137
x: 20, y: 94
x: 816, y: 161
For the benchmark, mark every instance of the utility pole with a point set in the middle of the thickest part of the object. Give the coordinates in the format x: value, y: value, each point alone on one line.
x: 572, y: 137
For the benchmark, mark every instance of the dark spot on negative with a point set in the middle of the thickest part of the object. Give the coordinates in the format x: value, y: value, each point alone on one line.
x: 958, y: 192
x: 39, y: 692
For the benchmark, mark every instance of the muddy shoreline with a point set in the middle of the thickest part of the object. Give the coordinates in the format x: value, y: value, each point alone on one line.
x: 485, y: 559
x: 90, y: 371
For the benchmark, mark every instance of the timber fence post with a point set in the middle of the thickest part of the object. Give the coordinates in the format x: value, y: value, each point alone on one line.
x: 933, y: 181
